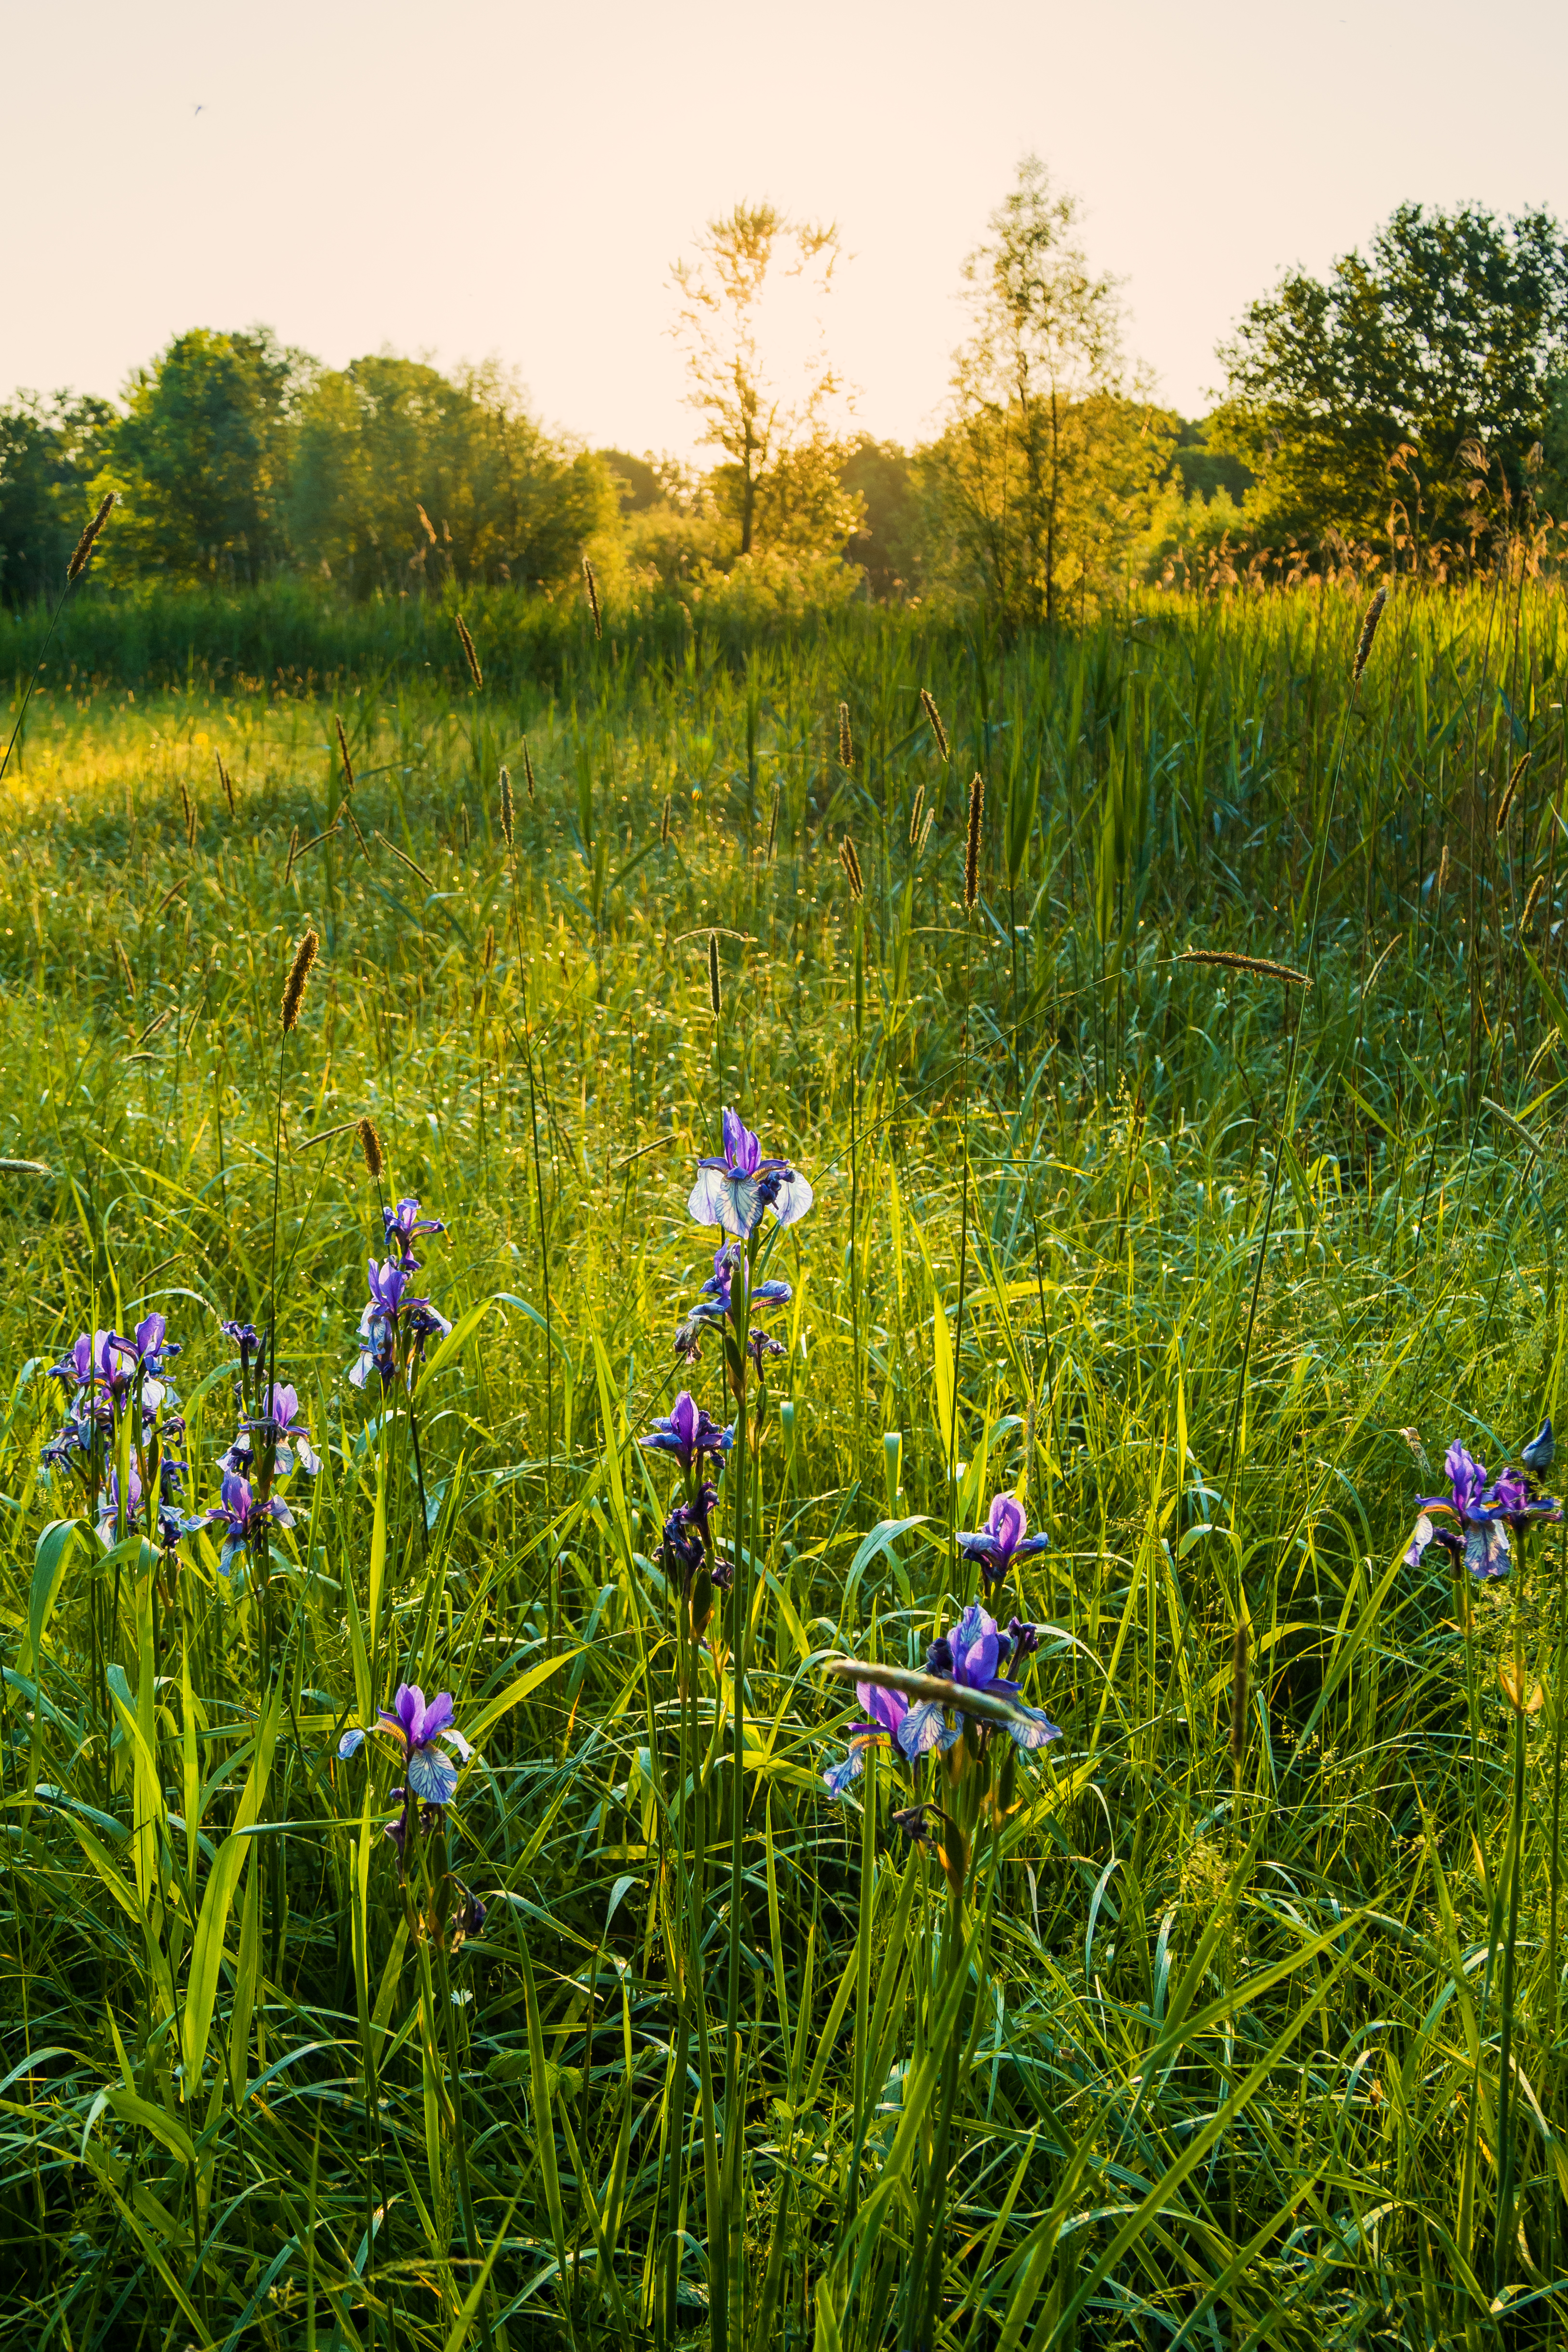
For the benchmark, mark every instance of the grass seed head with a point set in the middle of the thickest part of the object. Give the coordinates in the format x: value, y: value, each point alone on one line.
x: 354, y: 827
x: 527, y: 769
x: 1239, y: 1693
x: 1442, y: 871
x: 1505, y: 806
x: 1368, y: 631
x: 849, y: 857
x: 293, y: 852
x: 925, y: 833
x: 343, y: 750
x: 592, y: 585
x: 507, y: 826
x: 972, y: 839
x: 916, y: 812
x: 227, y: 780
x: 298, y: 973
x: 928, y: 702
x: 1536, y: 888
x: 85, y: 543
x: 664, y: 823
x: 488, y: 952
x: 370, y: 1144
x: 846, y: 742
x: 715, y: 994
x: 188, y: 810
x: 125, y: 971
x: 429, y: 526
x: 773, y: 825
x: 470, y: 656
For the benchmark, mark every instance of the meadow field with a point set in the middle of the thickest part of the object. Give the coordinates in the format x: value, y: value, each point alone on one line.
x: 1232, y: 2015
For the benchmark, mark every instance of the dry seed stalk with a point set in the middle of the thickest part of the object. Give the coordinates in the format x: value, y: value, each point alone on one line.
x: 592, y: 585
x: 429, y: 526
x: 664, y: 824
x: 928, y: 701
x: 1536, y: 888
x: 488, y: 952
x: 506, y: 807
x: 1263, y: 965
x: 227, y: 782
x: 925, y: 833
x: 355, y: 826
x: 370, y: 1144
x: 971, y: 841
x: 527, y: 768
x: 470, y: 656
x: 188, y: 807
x: 773, y: 825
x: 849, y: 857
x: 293, y: 852
x: 403, y: 859
x: 84, y: 544
x: 1442, y: 870
x: 916, y: 812
x: 298, y: 973
x: 1368, y: 631
x: 1505, y: 806
x: 129, y: 976
x: 845, y: 744
x: 344, y: 748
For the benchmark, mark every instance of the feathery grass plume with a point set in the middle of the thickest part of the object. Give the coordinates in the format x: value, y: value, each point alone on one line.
x: 1263, y: 965
x: 298, y: 973
x: 925, y: 833
x: 188, y: 807
x: 355, y: 826
x: 1505, y: 806
x: 429, y: 526
x: 773, y: 825
x: 343, y: 750
x: 664, y: 823
x: 227, y: 782
x: 972, y: 840
x: 1531, y: 904
x: 928, y: 703
x: 527, y: 768
x: 126, y: 973
x: 915, y: 814
x: 507, y: 826
x: 592, y: 585
x: 293, y: 852
x: 715, y: 995
x: 849, y: 857
x: 1368, y: 631
x: 1239, y: 1693
x: 846, y: 746
x: 488, y: 951
x: 85, y: 543
x: 470, y: 656
x: 370, y: 1144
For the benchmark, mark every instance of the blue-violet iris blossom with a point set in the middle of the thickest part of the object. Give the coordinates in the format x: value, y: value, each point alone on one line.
x: 736, y: 1190
x: 1004, y: 1538
x: 1484, y: 1510
x: 688, y: 1432
x: 973, y: 1655
x: 431, y: 1777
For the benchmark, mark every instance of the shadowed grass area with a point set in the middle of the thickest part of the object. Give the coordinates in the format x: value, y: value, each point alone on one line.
x: 1246, y: 2026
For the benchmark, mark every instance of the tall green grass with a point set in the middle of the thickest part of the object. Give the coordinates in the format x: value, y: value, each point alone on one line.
x: 1218, y: 2057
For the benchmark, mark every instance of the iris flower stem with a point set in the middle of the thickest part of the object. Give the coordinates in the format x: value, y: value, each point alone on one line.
x: 1502, y: 2252
x: 732, y: 2233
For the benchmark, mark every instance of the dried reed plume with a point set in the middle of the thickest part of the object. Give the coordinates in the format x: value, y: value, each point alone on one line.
x: 1368, y: 631
x: 928, y: 703
x: 509, y: 830
x: 1505, y: 806
x: 429, y: 526
x: 188, y: 807
x: 592, y: 585
x: 344, y: 748
x: 293, y: 852
x: 773, y: 825
x: 298, y: 973
x: 470, y: 656
x: 488, y: 951
x: 84, y: 544
x: 527, y: 768
x: 972, y: 840
x: 370, y: 1144
x: 715, y: 995
x: 1536, y: 888
x: 126, y: 973
x: 849, y: 857
x: 1238, y: 1694
x: 845, y: 744
x: 664, y: 823
x: 915, y: 814
x: 1262, y: 965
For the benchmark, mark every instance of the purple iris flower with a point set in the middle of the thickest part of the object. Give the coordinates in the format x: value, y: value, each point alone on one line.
x: 714, y: 1303
x: 404, y: 1224
x: 887, y: 1710
x: 1485, y: 1512
x: 150, y: 1346
x: 686, y: 1540
x: 244, y: 1518
x: 972, y: 1656
x: 293, y: 1439
x: 736, y: 1190
x: 246, y: 1338
x: 431, y: 1778
x: 109, y: 1505
x: 391, y: 1315
x: 1004, y: 1538
x: 688, y: 1432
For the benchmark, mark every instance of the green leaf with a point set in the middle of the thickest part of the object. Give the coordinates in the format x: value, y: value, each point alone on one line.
x: 50, y: 1561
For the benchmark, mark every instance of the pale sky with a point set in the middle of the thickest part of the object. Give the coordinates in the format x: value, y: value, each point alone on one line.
x: 481, y: 178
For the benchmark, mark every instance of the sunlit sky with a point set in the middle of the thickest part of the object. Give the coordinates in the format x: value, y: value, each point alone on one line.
x: 463, y: 181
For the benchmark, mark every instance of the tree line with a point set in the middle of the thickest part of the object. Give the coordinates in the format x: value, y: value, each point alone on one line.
x: 1410, y: 410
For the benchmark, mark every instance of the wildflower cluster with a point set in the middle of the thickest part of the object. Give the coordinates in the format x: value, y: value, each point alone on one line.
x: 914, y: 1718
x: 397, y: 1323
x: 1477, y: 1514
x: 123, y: 1434
x: 269, y: 1443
